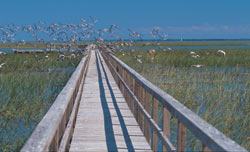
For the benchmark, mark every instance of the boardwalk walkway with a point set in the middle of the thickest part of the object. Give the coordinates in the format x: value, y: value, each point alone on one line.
x: 91, y: 114
x: 104, y: 121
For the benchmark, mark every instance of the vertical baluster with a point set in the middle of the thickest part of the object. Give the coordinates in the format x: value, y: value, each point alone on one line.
x: 147, y: 107
x: 120, y: 73
x: 181, y: 137
x: 136, y: 90
x: 127, y: 95
x: 155, y: 117
x: 166, y: 116
x: 117, y: 69
x: 124, y: 79
x: 139, y: 97
x: 143, y: 104
x: 131, y: 79
x: 117, y: 79
x: 122, y: 76
x: 131, y: 86
x: 126, y: 82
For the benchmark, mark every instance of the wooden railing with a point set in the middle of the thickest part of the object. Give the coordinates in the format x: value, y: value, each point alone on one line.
x: 143, y: 98
x: 55, y: 130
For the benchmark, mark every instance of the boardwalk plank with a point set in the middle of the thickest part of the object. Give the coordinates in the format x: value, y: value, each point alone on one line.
x: 104, y: 121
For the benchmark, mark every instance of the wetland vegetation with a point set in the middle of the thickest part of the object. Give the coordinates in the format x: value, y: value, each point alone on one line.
x: 29, y: 83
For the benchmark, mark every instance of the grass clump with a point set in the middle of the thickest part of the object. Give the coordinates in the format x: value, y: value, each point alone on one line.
x: 29, y: 84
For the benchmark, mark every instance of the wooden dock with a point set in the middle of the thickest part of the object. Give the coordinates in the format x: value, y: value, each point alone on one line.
x: 28, y: 51
x: 107, y: 106
x: 104, y: 121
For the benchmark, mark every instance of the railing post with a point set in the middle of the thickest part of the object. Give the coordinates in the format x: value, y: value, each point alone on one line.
x: 181, y: 137
x: 166, y: 116
x: 155, y: 117
x: 121, y: 74
x: 139, y: 97
x: 131, y: 86
x: 136, y: 90
x: 125, y: 91
x: 147, y: 107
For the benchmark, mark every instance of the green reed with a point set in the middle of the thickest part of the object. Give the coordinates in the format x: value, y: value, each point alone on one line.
x: 29, y: 83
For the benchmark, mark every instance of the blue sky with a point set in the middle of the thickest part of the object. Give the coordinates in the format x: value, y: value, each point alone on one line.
x: 186, y: 18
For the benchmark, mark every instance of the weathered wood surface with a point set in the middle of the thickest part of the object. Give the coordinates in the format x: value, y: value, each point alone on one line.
x: 104, y: 120
x: 146, y: 115
x: 29, y: 51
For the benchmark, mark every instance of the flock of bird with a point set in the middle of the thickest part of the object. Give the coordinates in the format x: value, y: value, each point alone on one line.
x: 67, y: 34
x: 84, y: 30
x: 152, y: 54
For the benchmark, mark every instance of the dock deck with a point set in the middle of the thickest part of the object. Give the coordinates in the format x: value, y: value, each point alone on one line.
x: 104, y: 121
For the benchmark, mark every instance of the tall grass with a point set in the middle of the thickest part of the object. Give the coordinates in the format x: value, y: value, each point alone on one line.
x: 28, y: 86
x: 219, y: 92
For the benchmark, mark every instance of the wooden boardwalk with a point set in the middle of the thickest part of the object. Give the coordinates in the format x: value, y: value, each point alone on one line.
x: 104, y: 121
x: 91, y: 114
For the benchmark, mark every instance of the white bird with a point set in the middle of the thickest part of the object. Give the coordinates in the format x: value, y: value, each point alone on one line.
x: 198, y: 65
x: 138, y: 56
x: 222, y: 52
x: 169, y: 49
x: 192, y: 53
x: 110, y: 30
x: 73, y: 56
x: 61, y: 56
x: 2, y: 53
x: 2, y: 64
x: 139, y: 60
x: 195, y: 56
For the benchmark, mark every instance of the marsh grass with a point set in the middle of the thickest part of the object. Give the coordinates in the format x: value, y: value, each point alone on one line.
x: 219, y: 92
x: 182, y: 58
x: 28, y: 86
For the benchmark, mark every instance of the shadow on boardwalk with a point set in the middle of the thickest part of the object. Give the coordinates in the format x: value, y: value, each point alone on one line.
x: 110, y: 137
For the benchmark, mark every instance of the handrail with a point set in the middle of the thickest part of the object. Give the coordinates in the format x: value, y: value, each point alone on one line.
x: 155, y: 127
x: 50, y: 130
x: 211, y: 138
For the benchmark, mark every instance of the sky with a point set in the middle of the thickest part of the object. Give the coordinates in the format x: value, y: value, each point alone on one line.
x: 189, y: 19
